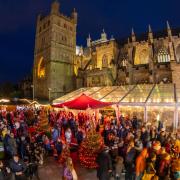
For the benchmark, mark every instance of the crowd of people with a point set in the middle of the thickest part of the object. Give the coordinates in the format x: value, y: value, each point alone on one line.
x: 131, y: 148
x: 139, y: 151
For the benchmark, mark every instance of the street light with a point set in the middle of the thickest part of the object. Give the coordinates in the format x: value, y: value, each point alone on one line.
x: 33, y: 90
x: 49, y: 89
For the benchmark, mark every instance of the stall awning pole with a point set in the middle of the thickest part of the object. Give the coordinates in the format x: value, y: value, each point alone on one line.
x: 145, y: 113
x: 175, y: 124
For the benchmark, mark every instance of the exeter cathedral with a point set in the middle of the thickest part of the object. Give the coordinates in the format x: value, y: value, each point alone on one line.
x: 60, y: 66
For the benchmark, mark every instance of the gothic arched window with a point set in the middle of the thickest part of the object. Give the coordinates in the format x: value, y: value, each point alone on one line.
x: 105, y: 61
x: 124, y: 62
x: 163, y: 56
x: 178, y: 53
x: 141, y: 56
x: 41, y: 68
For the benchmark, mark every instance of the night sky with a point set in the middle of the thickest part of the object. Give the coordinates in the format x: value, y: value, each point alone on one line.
x: 117, y: 17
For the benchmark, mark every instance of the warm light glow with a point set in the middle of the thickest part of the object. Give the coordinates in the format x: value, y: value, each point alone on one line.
x: 4, y: 100
x: 41, y: 68
x: 158, y: 117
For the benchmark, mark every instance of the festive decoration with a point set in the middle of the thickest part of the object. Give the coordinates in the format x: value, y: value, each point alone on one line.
x: 65, y: 154
x: 89, y: 149
x: 83, y: 102
x: 43, y: 120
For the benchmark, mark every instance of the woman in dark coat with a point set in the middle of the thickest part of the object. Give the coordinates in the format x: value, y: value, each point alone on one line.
x: 104, y: 165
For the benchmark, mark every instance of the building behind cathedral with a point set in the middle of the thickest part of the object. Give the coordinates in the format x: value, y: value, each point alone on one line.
x: 60, y: 66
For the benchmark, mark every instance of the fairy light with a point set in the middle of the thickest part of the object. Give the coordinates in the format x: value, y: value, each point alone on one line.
x: 89, y: 149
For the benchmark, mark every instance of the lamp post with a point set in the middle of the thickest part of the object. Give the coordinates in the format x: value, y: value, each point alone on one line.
x: 33, y: 90
x: 49, y: 89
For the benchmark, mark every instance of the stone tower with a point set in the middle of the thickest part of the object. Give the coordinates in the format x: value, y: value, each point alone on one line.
x: 54, y: 54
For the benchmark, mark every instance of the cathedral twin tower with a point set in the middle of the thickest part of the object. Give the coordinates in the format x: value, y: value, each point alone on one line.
x: 54, y: 54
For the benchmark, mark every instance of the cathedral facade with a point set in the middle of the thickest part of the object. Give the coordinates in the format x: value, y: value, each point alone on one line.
x: 60, y: 66
x: 149, y: 58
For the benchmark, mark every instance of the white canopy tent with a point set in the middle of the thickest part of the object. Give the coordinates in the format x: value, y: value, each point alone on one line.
x: 149, y: 102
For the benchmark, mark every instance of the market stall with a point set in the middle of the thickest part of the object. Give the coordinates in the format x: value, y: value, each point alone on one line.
x: 82, y: 102
x: 149, y: 102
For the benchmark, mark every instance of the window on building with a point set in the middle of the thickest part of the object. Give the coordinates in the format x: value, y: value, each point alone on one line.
x: 178, y: 53
x: 96, y: 80
x: 124, y: 63
x: 104, y: 61
x: 65, y: 38
x: 41, y: 68
x: 39, y: 29
x: 163, y: 56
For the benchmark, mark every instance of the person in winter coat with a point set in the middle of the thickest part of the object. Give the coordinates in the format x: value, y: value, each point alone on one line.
x: 138, y: 145
x: 23, y: 145
x: 119, y: 167
x: 145, y: 136
x: 18, y: 167
x: 175, y: 169
x: 68, y: 135
x: 12, y: 146
x: 150, y: 164
x: 55, y: 134
x: 141, y: 163
x: 2, y: 174
x: 164, y: 167
x: 135, y: 123
x: 162, y: 137
x: 129, y: 161
x: 59, y: 146
x: 69, y: 172
x: 104, y: 164
x: 79, y: 136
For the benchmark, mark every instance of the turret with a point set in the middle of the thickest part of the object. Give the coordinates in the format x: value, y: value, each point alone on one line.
x: 55, y: 7
x: 112, y: 38
x: 39, y: 17
x: 133, y: 37
x: 169, y: 31
x: 103, y: 36
x: 81, y: 50
x: 89, y: 41
x: 150, y: 34
x: 74, y: 15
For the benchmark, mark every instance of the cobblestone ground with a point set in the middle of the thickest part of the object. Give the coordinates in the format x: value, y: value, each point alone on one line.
x: 51, y: 170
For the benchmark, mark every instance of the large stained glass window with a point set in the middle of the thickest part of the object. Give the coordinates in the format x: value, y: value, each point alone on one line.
x: 163, y: 56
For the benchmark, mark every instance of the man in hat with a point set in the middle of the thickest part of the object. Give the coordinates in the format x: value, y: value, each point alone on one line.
x: 104, y: 164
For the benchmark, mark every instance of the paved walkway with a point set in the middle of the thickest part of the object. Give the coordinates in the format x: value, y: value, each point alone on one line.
x: 51, y: 170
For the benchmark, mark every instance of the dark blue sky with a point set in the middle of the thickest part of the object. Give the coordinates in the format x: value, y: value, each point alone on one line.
x: 117, y: 17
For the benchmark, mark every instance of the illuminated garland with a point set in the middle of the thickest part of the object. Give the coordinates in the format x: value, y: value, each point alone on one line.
x: 64, y: 155
x: 89, y: 149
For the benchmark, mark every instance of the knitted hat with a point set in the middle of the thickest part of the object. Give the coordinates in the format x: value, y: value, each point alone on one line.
x: 157, y: 145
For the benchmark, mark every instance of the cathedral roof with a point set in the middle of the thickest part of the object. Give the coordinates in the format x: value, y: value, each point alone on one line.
x: 144, y: 36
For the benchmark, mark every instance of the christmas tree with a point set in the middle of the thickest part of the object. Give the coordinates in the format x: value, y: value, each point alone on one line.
x: 89, y: 149
x: 43, y: 120
x: 65, y: 154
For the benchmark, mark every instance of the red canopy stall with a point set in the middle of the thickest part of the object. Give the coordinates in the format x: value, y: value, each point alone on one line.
x: 83, y: 102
